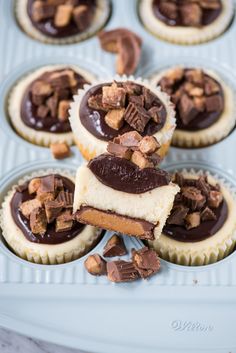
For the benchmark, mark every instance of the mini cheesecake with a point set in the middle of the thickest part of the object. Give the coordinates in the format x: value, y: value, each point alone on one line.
x: 123, y: 191
x: 201, y: 228
x: 62, y: 21
x: 105, y: 110
x: 205, y: 108
x: 38, y: 104
x: 184, y: 21
x: 37, y: 221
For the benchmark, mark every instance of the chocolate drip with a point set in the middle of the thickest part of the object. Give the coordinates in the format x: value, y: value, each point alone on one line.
x: 48, y: 27
x: 208, y: 16
x: 49, y: 124
x: 94, y: 120
x: 203, y: 231
x: 51, y: 236
x: 123, y: 175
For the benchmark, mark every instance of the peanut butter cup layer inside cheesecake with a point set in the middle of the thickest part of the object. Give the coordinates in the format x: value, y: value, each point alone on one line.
x: 133, y: 196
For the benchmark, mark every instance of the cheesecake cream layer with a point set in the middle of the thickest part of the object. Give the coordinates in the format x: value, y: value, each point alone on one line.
x: 153, y: 206
x: 42, y: 138
x: 44, y: 253
x: 186, y: 35
x: 101, y: 15
x: 217, y: 131
x: 91, y: 146
x: 205, y: 251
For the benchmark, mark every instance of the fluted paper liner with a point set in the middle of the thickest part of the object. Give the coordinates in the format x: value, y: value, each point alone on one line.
x: 218, y: 130
x: 41, y: 138
x: 212, y: 249
x: 185, y: 35
x: 102, y: 13
x: 44, y: 253
x: 90, y: 146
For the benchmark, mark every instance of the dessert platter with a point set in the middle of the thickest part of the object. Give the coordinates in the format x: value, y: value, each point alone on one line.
x: 117, y: 173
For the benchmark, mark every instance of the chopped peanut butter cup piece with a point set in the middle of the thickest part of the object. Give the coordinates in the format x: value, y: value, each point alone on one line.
x: 113, y: 96
x: 193, y: 220
x: 207, y: 215
x: 95, y: 265
x: 119, y: 150
x: 34, y: 185
x: 52, y: 209
x: 140, y: 160
x: 114, y: 247
x: 187, y: 109
x: 63, y: 110
x: 64, y: 221
x: 146, y: 262
x: 66, y: 198
x: 27, y: 207
x: 60, y: 150
x: 115, y: 118
x: 82, y: 17
x: 121, y: 271
x: 63, y: 15
x: 214, y: 199
x: 148, y: 145
x: 38, y: 221
x: 42, y: 11
x: 191, y: 14
x: 178, y: 215
x: 95, y: 102
x: 193, y: 197
x: 129, y: 139
x: 136, y: 116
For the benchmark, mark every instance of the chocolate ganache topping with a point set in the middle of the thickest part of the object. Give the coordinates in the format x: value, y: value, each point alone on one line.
x: 111, y: 109
x: 46, y: 101
x: 187, y: 13
x: 130, y: 164
x: 199, y: 210
x: 198, y: 97
x: 61, y: 18
x: 42, y: 209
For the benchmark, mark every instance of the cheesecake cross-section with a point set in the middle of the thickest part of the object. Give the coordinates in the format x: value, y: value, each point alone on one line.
x: 123, y: 190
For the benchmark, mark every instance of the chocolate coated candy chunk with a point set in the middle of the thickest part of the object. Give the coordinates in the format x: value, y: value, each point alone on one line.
x: 52, y: 209
x: 121, y: 174
x: 121, y: 271
x: 47, y: 184
x: 38, y: 221
x: 146, y: 262
x: 136, y: 116
x: 193, y: 197
x: 193, y: 220
x: 119, y: 150
x: 207, y: 215
x: 178, y: 215
x: 214, y: 103
x: 191, y: 15
x: 95, y: 265
x: 114, y: 247
x: 187, y: 109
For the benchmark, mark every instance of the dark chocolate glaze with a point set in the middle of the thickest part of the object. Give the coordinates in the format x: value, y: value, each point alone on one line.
x: 123, y: 175
x: 49, y: 124
x: 94, y: 122
x: 203, y: 231
x: 204, y: 119
x: 209, y: 16
x: 48, y: 28
x: 51, y: 236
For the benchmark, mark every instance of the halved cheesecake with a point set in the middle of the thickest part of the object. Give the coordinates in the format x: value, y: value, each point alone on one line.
x: 123, y: 190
